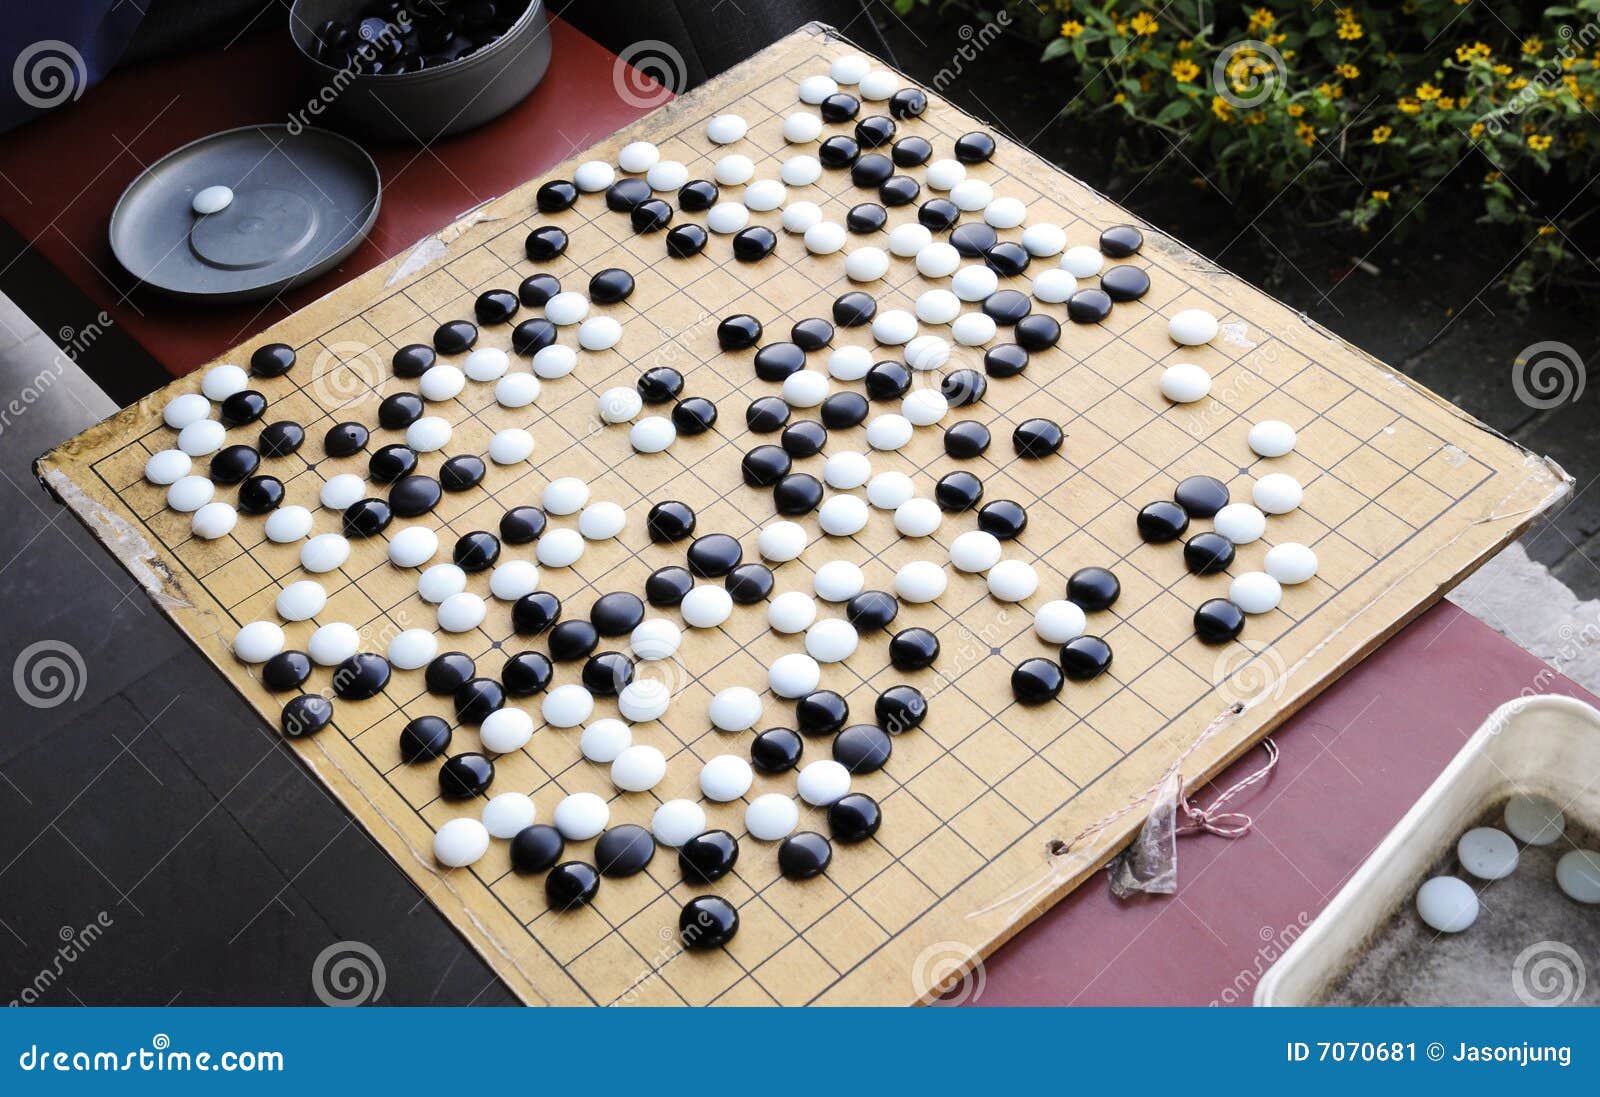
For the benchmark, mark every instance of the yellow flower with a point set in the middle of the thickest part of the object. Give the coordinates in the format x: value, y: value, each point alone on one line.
x: 1144, y: 23
x: 1547, y: 230
x: 1380, y: 196
x: 1307, y: 133
x: 1445, y: 102
x: 1261, y: 18
x: 1184, y: 72
x: 1296, y: 109
x: 1349, y: 31
x: 1347, y: 70
x: 1491, y: 177
x: 1119, y: 98
x: 1538, y: 142
x: 1427, y: 92
x: 1532, y: 47
x: 1277, y: 38
x: 1382, y: 134
x: 1409, y: 106
x: 1221, y: 108
x: 1501, y: 70
x: 1475, y: 131
x: 1518, y: 84
x: 1465, y: 54
x: 1071, y: 28
x: 1255, y: 118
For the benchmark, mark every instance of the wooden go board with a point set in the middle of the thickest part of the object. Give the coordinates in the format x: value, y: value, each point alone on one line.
x: 1403, y: 495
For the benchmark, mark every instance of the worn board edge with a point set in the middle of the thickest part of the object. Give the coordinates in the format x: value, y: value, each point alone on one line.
x: 992, y: 927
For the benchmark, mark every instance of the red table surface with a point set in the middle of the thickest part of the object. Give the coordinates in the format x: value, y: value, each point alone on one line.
x: 1354, y: 761
x: 64, y: 172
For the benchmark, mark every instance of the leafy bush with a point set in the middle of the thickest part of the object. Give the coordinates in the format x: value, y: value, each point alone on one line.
x: 1359, y: 111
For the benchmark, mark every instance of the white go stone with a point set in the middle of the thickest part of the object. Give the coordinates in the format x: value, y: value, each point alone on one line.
x: 1185, y: 382
x: 814, y: 89
x: 1291, y: 563
x: 771, y: 817
x: 439, y: 582
x: 667, y: 175
x: 733, y: 170
x: 202, y: 437
x: 301, y: 601
x: 725, y: 129
x: 566, y: 308
x: 342, y: 491
x: 843, y: 516
x: 920, y: 581
x: 516, y: 390
x: 567, y: 705
x: 1013, y: 580
x: 846, y: 469
x: 258, y: 641
x: 791, y: 612
x: 802, y: 127
x: 511, y: 446
x: 514, y: 579
x: 849, y: 363
x: 212, y: 199
x: 944, y: 174
x: 765, y: 194
x: 324, y: 553
x: 1277, y: 493
x: 460, y: 842
x: 581, y: 816
x: 1447, y: 904
x: 180, y: 411
x: 797, y: 171
x: 1488, y: 853
x: 866, y: 264
x: 167, y: 467
x: 413, y: 649
x: 706, y: 606
x: 727, y: 217
x: 908, y: 239
x: 725, y: 778
x: 1082, y: 261
x: 652, y: 434
x: 413, y: 546
x: 564, y: 495
x: 1272, y: 438
x: 831, y: 640
x: 594, y: 175
x: 640, y: 768
x: 287, y: 524
x: 222, y: 381
x: 737, y: 708
x: 924, y: 407
x: 604, y: 740
x: 782, y: 540
x: 638, y: 156
x: 971, y: 195
x: 938, y: 260
x: 508, y: 814
x: 1255, y: 592
x: 973, y: 329
x: 918, y: 517
x: 800, y: 216
x: 974, y: 282
x: 599, y: 333
x: 602, y: 521
x: 655, y: 638
x: 1059, y: 621
x: 214, y: 520
x: 1192, y: 327
x: 927, y: 352
x: 822, y: 783
x: 1534, y: 820
x: 462, y: 612
x: 505, y: 730
x: 559, y: 548
x: 975, y: 551
x: 486, y: 364
x: 838, y: 581
x: 805, y: 388
x: 850, y: 68
x: 894, y: 327
x: 1240, y: 523
x: 441, y: 382
x: 555, y: 361
x: 878, y: 85
x: 189, y: 493
x: 333, y: 643
x: 429, y: 434
x: 888, y: 432
x: 1578, y: 875
x: 887, y: 490
x: 677, y: 821
x: 1054, y: 285
x: 938, y: 306
x: 1044, y: 240
x: 1006, y: 213
x: 793, y: 675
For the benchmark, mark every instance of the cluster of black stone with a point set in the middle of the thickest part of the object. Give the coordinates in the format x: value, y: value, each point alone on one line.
x: 1218, y: 620
x: 1038, y: 680
x: 391, y: 37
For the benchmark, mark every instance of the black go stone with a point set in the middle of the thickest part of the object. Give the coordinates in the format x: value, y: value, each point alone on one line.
x: 535, y: 848
x: 272, y: 360
x: 624, y: 850
x: 908, y: 103
x: 306, y: 714
x: 399, y: 410
x: 1036, y: 681
x: 476, y: 698
x: 1008, y: 258
x: 345, y: 439
x: 875, y: 131
x: 1036, y: 438
x: 805, y: 438
x: 1088, y: 306
x: 465, y: 776
x: 694, y: 415
x: 913, y: 649
x: 974, y: 147
x: 521, y: 525
x: 1085, y: 657
x: 232, y: 464
x: 476, y: 551
x: 804, y: 855
x: 871, y: 610
x: 842, y: 410
x: 607, y: 674
x: 776, y: 750
x: 839, y: 151
x: 1007, y: 306
x: 535, y: 612
x: 966, y: 439
x: 626, y: 194
x: 797, y: 493
x: 571, y: 885
x: 1201, y: 496
x: 424, y: 739
x: 1125, y: 283
x: 698, y: 195
x: 854, y: 309
x: 855, y: 817
x: 260, y: 494
x: 749, y: 583
x: 686, y: 241
x: 285, y: 671
x: 556, y: 195
x: 1005, y: 360
x: 839, y: 107
x: 1217, y: 621
x: 1162, y: 521
x: 617, y: 613
x: 862, y: 748
x: 495, y: 306
x: 1121, y: 241
x: 572, y: 640
x: 390, y: 463
x: 455, y: 337
x: 1038, y: 331
x: 766, y: 414
x: 462, y: 473
x: 868, y: 217
x: 910, y: 152
x: 413, y: 360
x: 660, y: 385
x: 738, y: 332
x: 543, y: 244
x: 812, y: 333
x: 900, y: 708
x: 667, y: 586
x: 242, y: 408
x: 1093, y: 589
x: 899, y: 190
x: 707, y: 922
x: 414, y: 496
x: 821, y: 712
x: 708, y: 857
x: 1005, y: 519
x: 611, y: 285
x: 1207, y: 553
x: 537, y: 289
x: 938, y: 214
x: 669, y: 521
x: 532, y: 335
x: 888, y: 380
x: 361, y: 676
x: 973, y: 239
x: 366, y: 518
x: 448, y: 672
x: 714, y: 555
x: 527, y: 673
x: 754, y: 243
x: 765, y: 466
x: 958, y: 491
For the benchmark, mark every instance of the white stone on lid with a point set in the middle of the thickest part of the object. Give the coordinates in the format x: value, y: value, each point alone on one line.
x: 888, y: 432
x: 782, y: 541
x: 462, y: 612
x: 938, y: 260
x: 508, y: 814
x: 581, y: 816
x: 413, y: 649
x: 513, y: 579
x: 1447, y: 904
x: 1272, y: 438
x: 511, y: 446
x: 323, y: 553
x: 734, y: 169
x: 567, y: 706
x: 706, y: 606
x: 655, y: 638
x: 566, y: 308
x: 180, y: 411
x: 505, y: 730
x: 765, y: 194
x: 866, y: 264
x: 727, y: 217
x: 1578, y: 875
x: 287, y: 524
x: 736, y: 708
x: 1013, y: 580
x: 800, y: 216
x: 838, y: 581
x: 258, y: 641
x: 301, y: 601
x: 167, y: 466
x: 1277, y: 493
x: 652, y: 434
x: 887, y: 490
x: 1255, y: 592
x: 604, y: 740
x: 638, y: 156
x: 333, y: 643
x: 974, y: 282
x: 516, y: 390
x: 202, y: 437
x: 831, y: 640
x: 1185, y: 382
x: 460, y: 842
x: 1487, y: 852
x: 725, y: 129
x: 920, y: 581
x: 212, y: 199
x: 559, y: 548
x: 725, y: 777
x: 677, y: 821
x: 908, y: 239
x: 1044, y: 240
x: 1059, y: 621
x: 594, y: 175
x: 344, y: 490
x: 802, y: 127
x: 771, y: 816
x: 440, y: 582
x: 667, y: 175
x: 793, y: 675
x: 814, y: 89
x: 428, y: 434
x: 214, y: 520
x: 894, y: 327
x: 843, y: 515
x: 1534, y: 820
x: 791, y: 612
x: 485, y: 364
x: 1082, y: 261
x: 1240, y: 523
x: 599, y: 333
x: 639, y: 768
x: 189, y: 493
x: 1054, y: 285
x: 222, y: 381
x: 1291, y: 563
x: 822, y: 783
x: 975, y: 551
x: 602, y: 521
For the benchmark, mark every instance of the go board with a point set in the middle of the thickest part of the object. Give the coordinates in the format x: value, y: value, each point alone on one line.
x: 1403, y: 494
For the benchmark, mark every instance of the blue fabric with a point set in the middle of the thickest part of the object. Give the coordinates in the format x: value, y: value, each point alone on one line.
x: 53, y: 50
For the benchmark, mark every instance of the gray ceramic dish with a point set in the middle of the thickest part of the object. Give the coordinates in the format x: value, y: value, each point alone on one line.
x: 420, y: 106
